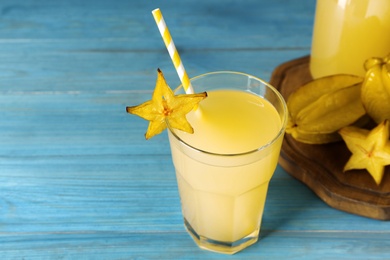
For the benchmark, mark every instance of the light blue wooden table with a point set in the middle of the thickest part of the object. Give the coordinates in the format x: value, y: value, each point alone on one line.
x: 77, y: 178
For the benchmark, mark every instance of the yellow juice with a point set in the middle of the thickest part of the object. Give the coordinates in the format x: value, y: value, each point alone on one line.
x: 346, y: 33
x: 223, y: 196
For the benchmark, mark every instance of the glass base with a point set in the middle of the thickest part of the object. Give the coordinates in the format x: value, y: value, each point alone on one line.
x: 222, y: 246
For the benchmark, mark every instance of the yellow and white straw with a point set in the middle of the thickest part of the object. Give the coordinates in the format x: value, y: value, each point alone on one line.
x: 172, y: 51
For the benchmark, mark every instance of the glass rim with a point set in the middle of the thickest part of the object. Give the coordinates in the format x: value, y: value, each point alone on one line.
x: 262, y: 147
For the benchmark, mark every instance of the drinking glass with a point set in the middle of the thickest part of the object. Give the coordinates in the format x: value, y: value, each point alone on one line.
x: 223, y: 194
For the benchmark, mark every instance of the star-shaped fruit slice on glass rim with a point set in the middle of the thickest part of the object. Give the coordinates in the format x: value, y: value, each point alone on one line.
x: 166, y: 108
x: 370, y: 149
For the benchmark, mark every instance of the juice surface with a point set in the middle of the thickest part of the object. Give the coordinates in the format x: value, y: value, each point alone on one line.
x: 346, y: 33
x: 231, y: 121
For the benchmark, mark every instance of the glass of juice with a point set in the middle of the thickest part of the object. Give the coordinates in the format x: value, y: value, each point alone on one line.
x: 223, y: 169
x: 346, y: 33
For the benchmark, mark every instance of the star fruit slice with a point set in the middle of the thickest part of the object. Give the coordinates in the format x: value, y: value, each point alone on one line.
x: 166, y: 108
x: 370, y: 149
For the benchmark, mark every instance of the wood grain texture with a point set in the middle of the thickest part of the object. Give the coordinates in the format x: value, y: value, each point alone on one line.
x: 77, y: 178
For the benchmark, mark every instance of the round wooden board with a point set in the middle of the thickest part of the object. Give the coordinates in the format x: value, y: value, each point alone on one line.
x: 320, y: 167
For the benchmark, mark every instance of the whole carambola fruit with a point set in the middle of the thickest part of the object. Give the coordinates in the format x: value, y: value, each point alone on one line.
x: 318, y: 109
x: 376, y: 88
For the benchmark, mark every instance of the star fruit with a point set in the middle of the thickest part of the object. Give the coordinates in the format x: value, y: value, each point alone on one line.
x: 370, y: 149
x: 375, y: 92
x: 166, y: 108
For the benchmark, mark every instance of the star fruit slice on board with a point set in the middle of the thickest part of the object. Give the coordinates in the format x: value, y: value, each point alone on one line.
x: 370, y: 149
x: 166, y: 108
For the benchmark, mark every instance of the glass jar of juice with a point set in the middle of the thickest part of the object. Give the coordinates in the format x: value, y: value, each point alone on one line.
x: 346, y: 33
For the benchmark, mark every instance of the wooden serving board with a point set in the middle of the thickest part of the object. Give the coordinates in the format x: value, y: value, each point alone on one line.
x: 320, y: 167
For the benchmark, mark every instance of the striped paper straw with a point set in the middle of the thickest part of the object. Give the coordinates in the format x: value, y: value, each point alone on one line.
x: 172, y: 51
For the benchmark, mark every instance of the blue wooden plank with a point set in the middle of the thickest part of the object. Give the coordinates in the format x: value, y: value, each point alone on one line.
x: 251, y: 22
x: 77, y: 178
x: 53, y: 73
x: 298, y: 245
